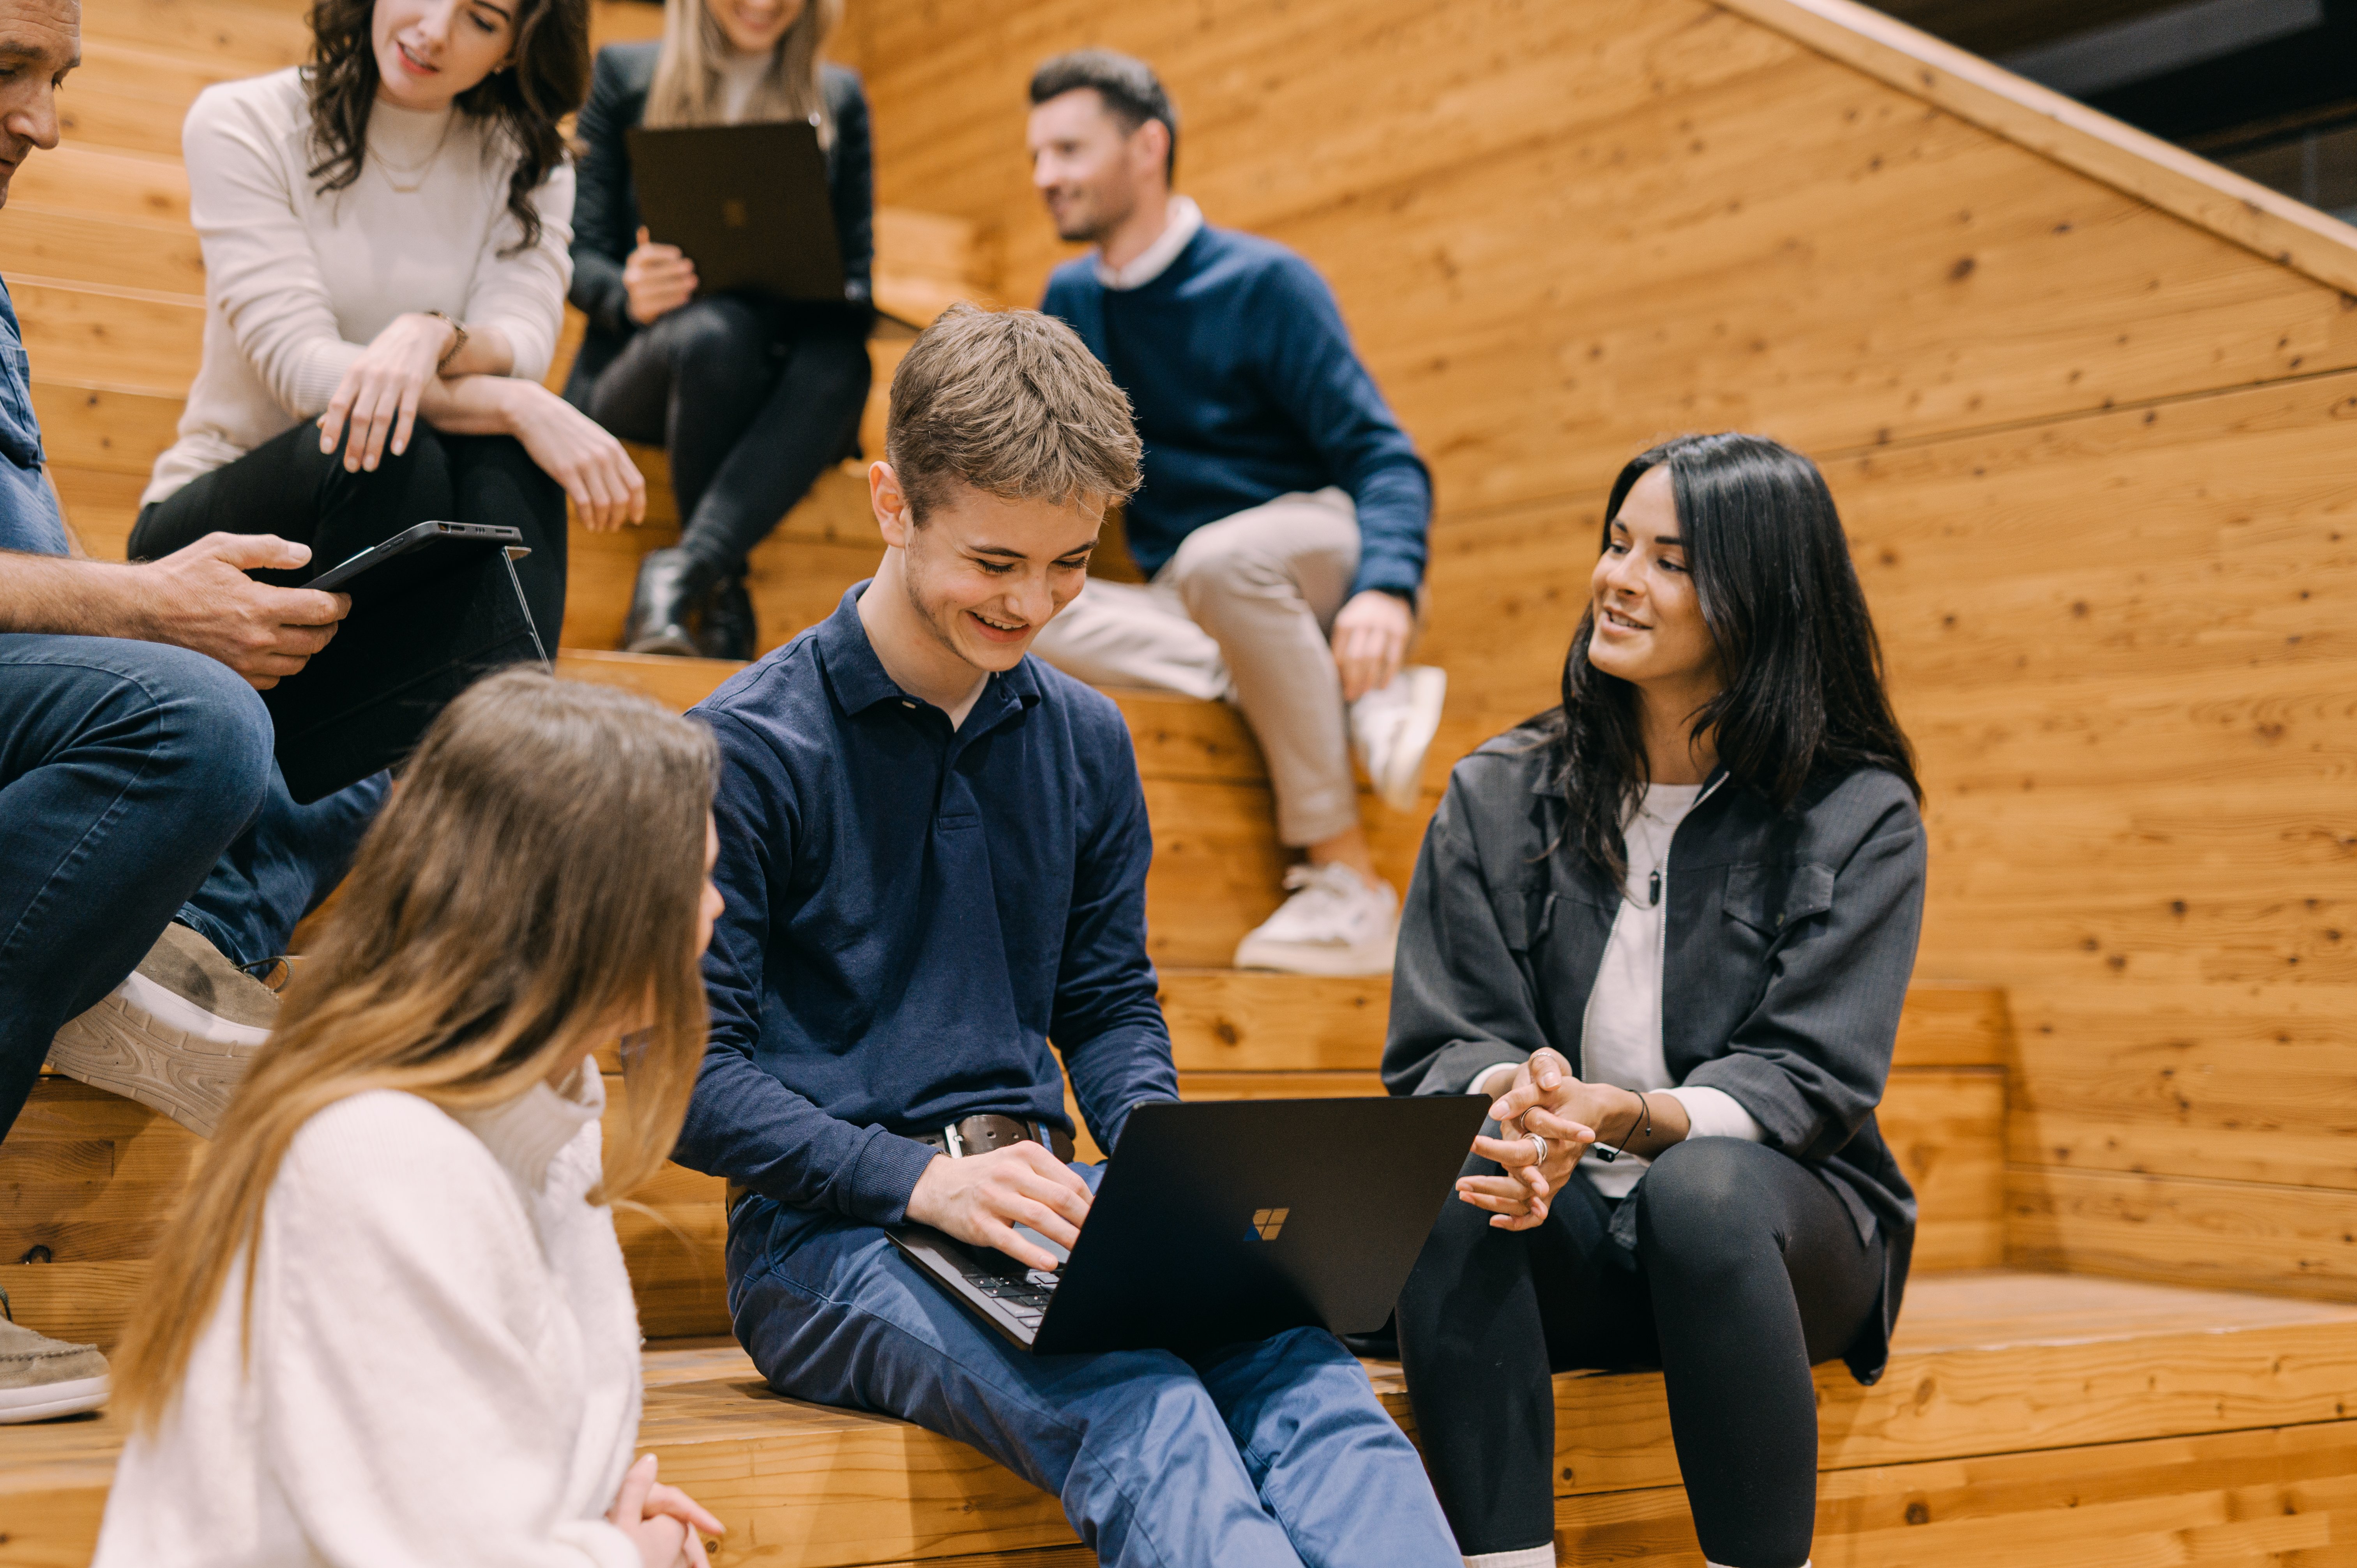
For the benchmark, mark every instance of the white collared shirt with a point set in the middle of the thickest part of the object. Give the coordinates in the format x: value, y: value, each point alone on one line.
x: 1179, y: 227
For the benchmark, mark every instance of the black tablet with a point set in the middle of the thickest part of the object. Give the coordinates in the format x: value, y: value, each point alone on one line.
x: 747, y: 204
x: 416, y: 555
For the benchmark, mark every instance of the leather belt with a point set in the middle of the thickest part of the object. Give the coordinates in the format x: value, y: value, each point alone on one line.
x: 975, y: 1135
x: 980, y: 1134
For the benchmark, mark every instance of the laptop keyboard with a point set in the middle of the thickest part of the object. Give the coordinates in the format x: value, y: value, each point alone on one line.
x: 1026, y: 1297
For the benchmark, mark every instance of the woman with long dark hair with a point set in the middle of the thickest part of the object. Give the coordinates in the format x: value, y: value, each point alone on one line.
x: 752, y: 396
x: 385, y: 233
x: 391, y: 1323
x: 1668, y: 926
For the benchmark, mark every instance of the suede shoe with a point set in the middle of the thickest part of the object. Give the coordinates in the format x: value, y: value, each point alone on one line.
x: 671, y: 588
x: 728, y: 629
x: 41, y: 1377
x: 175, y: 1036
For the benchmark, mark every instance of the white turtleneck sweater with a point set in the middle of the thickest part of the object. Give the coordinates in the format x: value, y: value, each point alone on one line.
x: 298, y: 282
x: 445, y: 1368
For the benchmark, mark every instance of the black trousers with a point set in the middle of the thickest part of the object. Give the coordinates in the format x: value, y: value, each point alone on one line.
x: 288, y: 487
x: 1747, y: 1271
x: 753, y: 399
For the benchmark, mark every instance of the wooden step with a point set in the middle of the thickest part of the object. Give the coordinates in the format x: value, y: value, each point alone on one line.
x: 2081, y: 1420
x: 94, y: 1180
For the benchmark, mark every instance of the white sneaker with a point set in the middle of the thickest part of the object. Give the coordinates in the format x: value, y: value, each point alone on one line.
x: 175, y: 1036
x: 1393, y: 728
x: 41, y: 1377
x: 1336, y: 923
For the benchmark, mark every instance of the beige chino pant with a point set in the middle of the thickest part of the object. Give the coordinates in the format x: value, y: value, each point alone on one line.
x: 1241, y: 614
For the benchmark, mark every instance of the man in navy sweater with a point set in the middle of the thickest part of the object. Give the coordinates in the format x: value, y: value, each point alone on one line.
x: 933, y: 853
x: 1283, y: 511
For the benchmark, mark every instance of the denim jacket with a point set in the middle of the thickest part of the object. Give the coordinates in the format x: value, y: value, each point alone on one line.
x: 1790, y: 938
x: 28, y: 508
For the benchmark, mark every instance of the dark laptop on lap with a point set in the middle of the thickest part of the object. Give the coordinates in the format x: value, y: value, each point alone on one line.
x: 1227, y: 1221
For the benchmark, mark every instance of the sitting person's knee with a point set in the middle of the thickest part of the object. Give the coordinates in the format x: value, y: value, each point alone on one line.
x: 227, y: 732
x: 1214, y: 565
x: 711, y: 334
x: 1697, y: 1202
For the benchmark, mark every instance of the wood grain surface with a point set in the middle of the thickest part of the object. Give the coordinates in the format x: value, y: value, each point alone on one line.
x: 2084, y: 402
x: 2011, y: 1398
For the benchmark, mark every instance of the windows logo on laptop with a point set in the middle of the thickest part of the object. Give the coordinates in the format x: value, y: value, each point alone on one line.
x: 1267, y: 1222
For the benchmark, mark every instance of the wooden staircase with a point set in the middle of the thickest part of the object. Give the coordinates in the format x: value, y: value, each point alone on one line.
x: 2026, y: 1417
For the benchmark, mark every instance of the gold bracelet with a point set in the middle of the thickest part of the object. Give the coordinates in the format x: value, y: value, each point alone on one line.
x: 458, y: 339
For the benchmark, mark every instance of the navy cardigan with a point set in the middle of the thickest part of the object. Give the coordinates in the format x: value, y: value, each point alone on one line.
x: 606, y: 204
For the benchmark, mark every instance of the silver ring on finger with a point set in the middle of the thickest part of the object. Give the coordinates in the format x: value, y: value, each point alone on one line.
x: 1540, y: 1145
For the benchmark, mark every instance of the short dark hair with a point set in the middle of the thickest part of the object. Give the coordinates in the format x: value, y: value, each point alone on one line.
x: 1133, y: 94
x: 1012, y: 403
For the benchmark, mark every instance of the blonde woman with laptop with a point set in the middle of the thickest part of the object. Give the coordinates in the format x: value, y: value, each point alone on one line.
x: 754, y: 397
x: 392, y: 1325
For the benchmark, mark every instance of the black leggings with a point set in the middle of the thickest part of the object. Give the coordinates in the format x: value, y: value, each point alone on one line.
x: 288, y: 487
x: 752, y: 399
x: 1748, y: 1270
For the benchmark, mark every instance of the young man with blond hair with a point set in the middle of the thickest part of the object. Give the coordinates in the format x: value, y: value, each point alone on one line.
x: 933, y: 853
x: 1282, y: 512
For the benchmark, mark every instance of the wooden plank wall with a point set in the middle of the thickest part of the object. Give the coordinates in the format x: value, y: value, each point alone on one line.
x: 2096, y: 462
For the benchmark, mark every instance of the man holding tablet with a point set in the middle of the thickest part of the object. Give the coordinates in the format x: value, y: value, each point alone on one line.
x: 933, y: 853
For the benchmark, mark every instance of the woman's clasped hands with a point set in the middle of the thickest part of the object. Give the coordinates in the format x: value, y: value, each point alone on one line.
x: 1546, y: 1121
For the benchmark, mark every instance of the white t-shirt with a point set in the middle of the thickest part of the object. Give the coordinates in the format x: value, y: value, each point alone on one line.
x: 1621, y: 1033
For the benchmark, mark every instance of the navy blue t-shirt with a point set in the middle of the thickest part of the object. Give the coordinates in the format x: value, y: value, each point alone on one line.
x: 913, y: 913
x: 28, y: 510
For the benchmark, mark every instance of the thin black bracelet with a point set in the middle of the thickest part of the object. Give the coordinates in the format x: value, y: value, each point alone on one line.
x: 1606, y: 1152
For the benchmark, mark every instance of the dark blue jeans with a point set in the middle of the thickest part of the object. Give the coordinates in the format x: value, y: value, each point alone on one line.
x: 136, y: 788
x: 1273, y: 1455
x: 279, y: 869
x: 125, y: 769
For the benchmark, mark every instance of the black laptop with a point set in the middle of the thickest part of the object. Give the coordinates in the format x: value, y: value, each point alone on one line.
x: 1225, y: 1221
x: 747, y: 204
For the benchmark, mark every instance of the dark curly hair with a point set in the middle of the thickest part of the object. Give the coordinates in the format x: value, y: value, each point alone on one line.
x: 548, y: 81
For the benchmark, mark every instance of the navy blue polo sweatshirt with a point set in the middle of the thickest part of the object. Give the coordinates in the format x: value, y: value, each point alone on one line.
x: 1246, y: 388
x: 913, y: 913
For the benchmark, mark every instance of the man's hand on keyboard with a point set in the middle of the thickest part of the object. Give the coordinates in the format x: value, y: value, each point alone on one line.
x: 981, y: 1198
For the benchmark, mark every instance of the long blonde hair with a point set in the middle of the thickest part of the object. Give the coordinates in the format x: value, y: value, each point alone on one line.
x: 686, y: 89
x: 531, y: 887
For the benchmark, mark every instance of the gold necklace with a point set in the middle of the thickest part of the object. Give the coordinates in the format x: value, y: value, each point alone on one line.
x: 421, y: 171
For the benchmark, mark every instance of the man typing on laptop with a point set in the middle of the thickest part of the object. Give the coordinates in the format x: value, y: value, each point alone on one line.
x: 934, y: 853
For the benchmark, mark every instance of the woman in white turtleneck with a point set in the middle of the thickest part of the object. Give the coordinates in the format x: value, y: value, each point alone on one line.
x: 385, y: 235
x: 391, y: 1326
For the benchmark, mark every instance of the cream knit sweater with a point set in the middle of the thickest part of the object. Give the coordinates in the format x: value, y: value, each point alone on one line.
x: 445, y: 1368
x: 296, y: 283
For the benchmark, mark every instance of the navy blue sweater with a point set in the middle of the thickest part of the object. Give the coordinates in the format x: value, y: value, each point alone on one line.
x: 1246, y: 388
x: 912, y: 913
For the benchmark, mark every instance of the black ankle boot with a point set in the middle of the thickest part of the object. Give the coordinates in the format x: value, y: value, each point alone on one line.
x: 671, y: 588
x: 728, y: 630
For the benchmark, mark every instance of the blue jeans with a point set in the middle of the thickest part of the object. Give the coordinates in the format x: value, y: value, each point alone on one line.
x: 136, y: 788
x: 125, y: 769
x: 1273, y: 1455
x: 279, y: 869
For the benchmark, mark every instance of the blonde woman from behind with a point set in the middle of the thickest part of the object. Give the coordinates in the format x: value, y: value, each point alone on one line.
x: 391, y: 1325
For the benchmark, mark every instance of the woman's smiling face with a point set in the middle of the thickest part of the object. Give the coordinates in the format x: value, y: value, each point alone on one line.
x: 1649, y: 624
x: 430, y: 51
